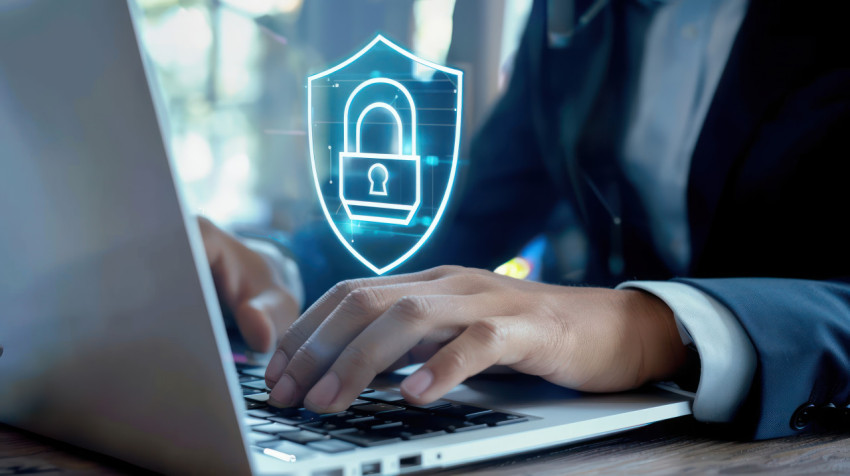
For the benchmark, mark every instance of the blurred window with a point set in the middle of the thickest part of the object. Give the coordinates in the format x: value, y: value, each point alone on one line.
x: 233, y: 76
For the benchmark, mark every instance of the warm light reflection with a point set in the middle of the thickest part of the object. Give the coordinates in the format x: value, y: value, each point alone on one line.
x: 518, y: 268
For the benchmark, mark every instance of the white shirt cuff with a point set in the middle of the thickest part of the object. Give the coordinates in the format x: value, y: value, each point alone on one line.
x: 727, y: 357
x: 285, y: 266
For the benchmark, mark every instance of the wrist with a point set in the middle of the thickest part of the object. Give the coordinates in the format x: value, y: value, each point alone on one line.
x: 663, y: 354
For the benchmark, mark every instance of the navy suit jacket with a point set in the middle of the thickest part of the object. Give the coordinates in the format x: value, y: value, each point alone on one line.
x: 767, y: 193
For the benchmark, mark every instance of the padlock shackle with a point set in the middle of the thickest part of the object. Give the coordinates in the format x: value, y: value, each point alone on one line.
x: 375, y: 105
x: 384, y: 105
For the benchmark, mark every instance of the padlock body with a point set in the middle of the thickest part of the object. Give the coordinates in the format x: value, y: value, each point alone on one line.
x: 400, y: 175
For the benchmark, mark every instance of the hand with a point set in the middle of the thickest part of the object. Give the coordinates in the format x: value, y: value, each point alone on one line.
x: 462, y: 321
x: 250, y: 287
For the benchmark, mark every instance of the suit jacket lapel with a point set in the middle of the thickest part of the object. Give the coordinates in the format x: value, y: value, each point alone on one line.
x: 761, y: 69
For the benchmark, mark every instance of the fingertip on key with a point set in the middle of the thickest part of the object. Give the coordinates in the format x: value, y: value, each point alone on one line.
x: 416, y: 384
x: 283, y: 394
x: 324, y: 392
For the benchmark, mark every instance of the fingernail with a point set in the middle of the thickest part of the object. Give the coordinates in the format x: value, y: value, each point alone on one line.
x: 324, y: 392
x: 283, y: 394
x: 417, y: 383
x: 276, y: 367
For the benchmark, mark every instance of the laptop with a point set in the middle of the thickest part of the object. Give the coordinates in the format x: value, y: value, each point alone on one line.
x: 112, y: 333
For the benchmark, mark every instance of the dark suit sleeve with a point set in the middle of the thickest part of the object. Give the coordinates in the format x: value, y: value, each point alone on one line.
x: 801, y: 333
x: 503, y: 199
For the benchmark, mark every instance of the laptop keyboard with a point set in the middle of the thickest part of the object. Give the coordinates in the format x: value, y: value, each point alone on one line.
x: 375, y: 418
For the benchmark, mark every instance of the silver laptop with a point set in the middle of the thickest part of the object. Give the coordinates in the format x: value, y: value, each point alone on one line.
x: 113, y: 335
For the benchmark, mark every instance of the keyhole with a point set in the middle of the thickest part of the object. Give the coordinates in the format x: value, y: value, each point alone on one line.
x: 378, y: 176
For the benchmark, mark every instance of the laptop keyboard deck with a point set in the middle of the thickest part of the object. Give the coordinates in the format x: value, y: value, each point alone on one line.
x: 375, y: 418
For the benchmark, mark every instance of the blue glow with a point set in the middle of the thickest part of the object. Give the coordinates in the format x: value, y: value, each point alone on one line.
x: 383, y: 224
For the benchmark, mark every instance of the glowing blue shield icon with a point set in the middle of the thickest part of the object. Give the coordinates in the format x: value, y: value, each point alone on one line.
x: 384, y: 131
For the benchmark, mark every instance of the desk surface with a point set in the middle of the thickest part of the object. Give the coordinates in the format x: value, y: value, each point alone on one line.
x: 677, y: 446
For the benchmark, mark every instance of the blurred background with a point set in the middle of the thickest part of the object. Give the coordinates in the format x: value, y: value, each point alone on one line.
x: 233, y: 75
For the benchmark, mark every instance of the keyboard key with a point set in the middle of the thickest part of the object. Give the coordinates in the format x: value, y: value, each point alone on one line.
x: 376, y: 408
x: 258, y: 372
x: 359, y: 418
x: 461, y: 411
x: 258, y: 398
x: 303, y: 437
x: 389, y: 396
x: 274, y: 428
x: 331, y: 446
x: 285, y: 412
x: 366, y: 423
x: 498, y: 419
x: 270, y: 411
x: 267, y: 443
x: 247, y: 378
x: 254, y: 405
x: 326, y: 427
x: 261, y: 413
x: 467, y: 426
x: 433, y: 405
x: 366, y: 390
x: 296, y: 418
x: 404, y: 431
x: 434, y: 422
x: 407, y: 430
x: 370, y: 438
x: 252, y: 421
x: 342, y: 416
x: 387, y: 424
x: 250, y: 391
x: 412, y: 433
x: 256, y: 438
x: 257, y: 385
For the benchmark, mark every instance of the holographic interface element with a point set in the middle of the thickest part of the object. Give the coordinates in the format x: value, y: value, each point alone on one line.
x: 383, y: 147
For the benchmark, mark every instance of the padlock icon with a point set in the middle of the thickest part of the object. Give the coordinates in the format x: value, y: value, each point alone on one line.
x: 380, y: 187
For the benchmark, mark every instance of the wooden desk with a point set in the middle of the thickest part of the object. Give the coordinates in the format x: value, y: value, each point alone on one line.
x: 677, y: 446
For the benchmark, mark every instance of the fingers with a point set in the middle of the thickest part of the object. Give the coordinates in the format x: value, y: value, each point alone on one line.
x: 326, y: 360
x: 351, y: 306
x: 306, y: 325
x: 313, y: 355
x: 422, y: 351
x: 319, y: 311
x: 487, y: 342
x: 377, y: 347
x: 247, y: 285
